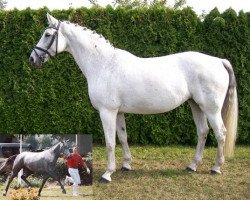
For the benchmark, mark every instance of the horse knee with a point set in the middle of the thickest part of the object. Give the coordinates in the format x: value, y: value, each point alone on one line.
x: 110, y: 147
x: 220, y: 138
x: 123, y: 141
x: 203, y: 131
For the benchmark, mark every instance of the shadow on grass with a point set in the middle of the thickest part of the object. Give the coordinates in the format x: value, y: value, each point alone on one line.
x: 155, y: 173
x: 147, y: 173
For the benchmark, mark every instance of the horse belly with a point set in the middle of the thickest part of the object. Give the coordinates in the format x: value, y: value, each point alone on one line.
x: 34, y: 162
x: 153, y: 100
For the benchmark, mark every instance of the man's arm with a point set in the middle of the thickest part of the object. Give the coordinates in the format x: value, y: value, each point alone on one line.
x: 83, y: 163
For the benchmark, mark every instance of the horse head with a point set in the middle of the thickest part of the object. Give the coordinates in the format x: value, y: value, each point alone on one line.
x: 51, y: 43
x: 64, y: 148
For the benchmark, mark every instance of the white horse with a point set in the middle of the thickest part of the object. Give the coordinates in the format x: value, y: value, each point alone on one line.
x: 119, y: 82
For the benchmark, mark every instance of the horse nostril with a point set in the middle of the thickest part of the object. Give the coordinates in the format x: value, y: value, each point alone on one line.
x: 31, y: 59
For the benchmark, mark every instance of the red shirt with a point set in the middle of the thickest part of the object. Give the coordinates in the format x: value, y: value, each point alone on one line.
x: 74, y: 160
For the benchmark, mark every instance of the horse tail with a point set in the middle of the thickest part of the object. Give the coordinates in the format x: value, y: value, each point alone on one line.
x: 230, y: 111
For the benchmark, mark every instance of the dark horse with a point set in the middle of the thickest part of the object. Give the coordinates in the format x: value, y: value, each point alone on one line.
x: 39, y: 162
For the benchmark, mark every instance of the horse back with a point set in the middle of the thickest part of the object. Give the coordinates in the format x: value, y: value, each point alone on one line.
x: 29, y: 160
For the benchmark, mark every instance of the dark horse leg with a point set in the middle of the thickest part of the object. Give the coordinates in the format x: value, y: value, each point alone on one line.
x: 45, y: 178
x: 54, y: 176
x: 26, y: 174
x: 12, y: 176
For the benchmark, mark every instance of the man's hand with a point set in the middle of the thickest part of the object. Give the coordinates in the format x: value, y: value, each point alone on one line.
x: 88, y: 171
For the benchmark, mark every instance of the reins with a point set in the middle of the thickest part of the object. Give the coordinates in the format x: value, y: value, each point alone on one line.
x: 54, y: 36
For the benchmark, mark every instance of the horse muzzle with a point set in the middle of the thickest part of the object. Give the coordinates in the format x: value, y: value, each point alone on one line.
x: 36, y: 63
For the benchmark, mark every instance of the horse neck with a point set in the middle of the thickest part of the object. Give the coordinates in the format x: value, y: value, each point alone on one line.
x: 56, y: 150
x: 89, y: 49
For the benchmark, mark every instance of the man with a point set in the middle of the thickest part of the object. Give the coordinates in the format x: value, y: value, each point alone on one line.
x: 73, y: 162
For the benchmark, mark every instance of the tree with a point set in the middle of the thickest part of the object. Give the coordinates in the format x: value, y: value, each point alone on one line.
x: 3, y: 4
x: 143, y: 3
x: 148, y: 3
x: 31, y: 139
x: 179, y: 4
x: 46, y: 141
x: 94, y: 2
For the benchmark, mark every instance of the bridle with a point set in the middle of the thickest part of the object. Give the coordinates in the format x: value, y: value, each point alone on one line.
x: 54, y: 36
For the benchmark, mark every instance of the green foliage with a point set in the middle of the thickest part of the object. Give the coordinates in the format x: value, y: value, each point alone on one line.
x: 54, y: 99
x: 2, y: 4
x: 31, y: 140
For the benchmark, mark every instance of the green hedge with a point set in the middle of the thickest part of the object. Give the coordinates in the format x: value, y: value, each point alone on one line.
x: 55, y: 99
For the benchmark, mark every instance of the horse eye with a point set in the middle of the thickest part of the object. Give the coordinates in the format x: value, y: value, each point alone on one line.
x: 47, y: 34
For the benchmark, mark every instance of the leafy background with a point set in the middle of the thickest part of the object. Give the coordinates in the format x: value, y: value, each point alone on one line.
x: 54, y: 99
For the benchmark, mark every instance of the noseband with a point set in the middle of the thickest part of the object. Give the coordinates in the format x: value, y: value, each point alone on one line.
x: 54, y: 36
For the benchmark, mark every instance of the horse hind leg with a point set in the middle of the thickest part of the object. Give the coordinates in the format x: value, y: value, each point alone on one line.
x: 122, y: 135
x: 219, y: 129
x: 16, y: 168
x: 12, y: 176
x: 202, y: 131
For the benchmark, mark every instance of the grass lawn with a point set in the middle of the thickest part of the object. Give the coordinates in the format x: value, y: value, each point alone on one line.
x: 158, y: 173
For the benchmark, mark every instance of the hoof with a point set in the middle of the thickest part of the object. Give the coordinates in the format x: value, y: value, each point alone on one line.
x: 4, y: 194
x: 124, y: 169
x: 103, y: 180
x: 64, y: 191
x: 16, y: 187
x: 213, y: 172
x: 189, y: 170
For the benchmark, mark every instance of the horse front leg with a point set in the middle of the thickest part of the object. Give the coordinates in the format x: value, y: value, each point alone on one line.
x: 56, y: 177
x: 45, y: 178
x: 200, y: 120
x: 61, y: 185
x: 26, y: 174
x: 122, y: 135
x: 24, y: 178
x: 108, y: 119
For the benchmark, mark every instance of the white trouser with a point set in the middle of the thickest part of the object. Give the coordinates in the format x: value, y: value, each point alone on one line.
x: 74, y: 173
x: 75, y: 179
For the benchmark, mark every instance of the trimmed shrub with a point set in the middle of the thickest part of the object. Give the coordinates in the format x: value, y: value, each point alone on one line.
x: 54, y: 99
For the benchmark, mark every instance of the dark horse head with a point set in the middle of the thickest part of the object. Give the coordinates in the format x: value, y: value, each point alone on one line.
x: 39, y: 162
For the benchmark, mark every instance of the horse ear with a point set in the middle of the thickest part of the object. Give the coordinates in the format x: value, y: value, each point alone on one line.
x: 52, y: 21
